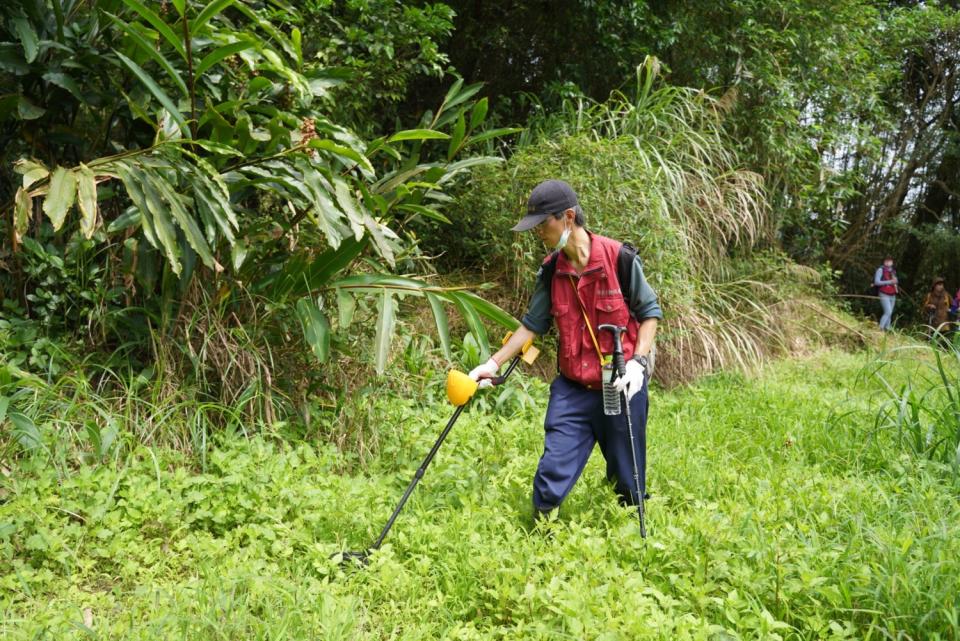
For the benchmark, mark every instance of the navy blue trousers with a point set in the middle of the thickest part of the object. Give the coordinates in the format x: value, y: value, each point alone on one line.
x: 574, y: 422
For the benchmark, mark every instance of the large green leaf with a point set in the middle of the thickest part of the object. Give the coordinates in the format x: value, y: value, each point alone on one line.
x: 473, y: 321
x: 87, y: 200
x: 459, y: 131
x: 346, y: 306
x: 209, y: 11
x: 184, y: 220
x: 158, y: 24
x: 478, y: 114
x: 316, y: 328
x: 151, y: 50
x: 418, y: 134
x: 23, y: 207
x: 28, y: 110
x: 425, y: 211
x: 350, y: 207
x: 488, y: 309
x: 275, y: 34
x: 141, y: 208
x: 31, y: 171
x: 127, y: 219
x: 220, y: 53
x: 385, y: 325
x: 25, y: 431
x: 159, y: 218
x: 492, y: 133
x: 378, y: 233
x: 60, y: 196
x: 28, y: 38
x: 157, y: 92
x: 340, y: 150
x: 64, y: 81
x: 454, y: 168
x: 443, y: 327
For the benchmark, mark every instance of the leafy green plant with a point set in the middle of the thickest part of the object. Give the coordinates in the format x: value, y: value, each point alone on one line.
x: 921, y: 416
x: 764, y: 523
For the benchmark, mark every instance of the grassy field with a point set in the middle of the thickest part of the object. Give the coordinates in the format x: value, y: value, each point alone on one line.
x: 778, y: 512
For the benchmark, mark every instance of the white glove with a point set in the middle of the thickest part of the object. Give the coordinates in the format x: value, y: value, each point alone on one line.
x: 632, y: 380
x: 483, y: 373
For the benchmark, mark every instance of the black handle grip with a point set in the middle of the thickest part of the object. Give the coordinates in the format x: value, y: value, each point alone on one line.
x: 500, y: 380
x: 618, y: 361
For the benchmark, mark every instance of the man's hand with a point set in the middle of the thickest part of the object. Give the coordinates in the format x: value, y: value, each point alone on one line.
x: 632, y: 380
x: 483, y: 373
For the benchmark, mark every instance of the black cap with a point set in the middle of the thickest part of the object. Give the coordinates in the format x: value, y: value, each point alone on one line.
x: 549, y: 197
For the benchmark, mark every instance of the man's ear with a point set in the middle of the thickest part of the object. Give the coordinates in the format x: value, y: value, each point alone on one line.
x: 569, y: 215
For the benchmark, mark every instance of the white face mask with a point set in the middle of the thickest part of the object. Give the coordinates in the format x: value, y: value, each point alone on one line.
x: 564, y: 237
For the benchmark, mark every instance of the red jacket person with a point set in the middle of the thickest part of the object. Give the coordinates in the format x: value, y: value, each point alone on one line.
x: 579, y: 288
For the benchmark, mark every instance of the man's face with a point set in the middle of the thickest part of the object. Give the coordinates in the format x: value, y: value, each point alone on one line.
x: 550, y: 229
x: 888, y: 263
x: 938, y: 288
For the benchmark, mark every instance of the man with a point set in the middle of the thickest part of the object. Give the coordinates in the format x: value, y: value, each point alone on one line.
x: 885, y: 280
x: 579, y: 284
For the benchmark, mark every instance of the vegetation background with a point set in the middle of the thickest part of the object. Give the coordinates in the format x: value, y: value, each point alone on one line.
x: 244, y: 240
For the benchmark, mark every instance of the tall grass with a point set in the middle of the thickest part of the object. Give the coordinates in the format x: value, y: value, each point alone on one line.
x: 921, y: 415
x: 653, y: 166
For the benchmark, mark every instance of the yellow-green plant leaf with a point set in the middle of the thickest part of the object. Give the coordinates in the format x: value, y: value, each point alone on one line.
x: 31, y: 170
x: 443, y: 327
x: 418, y: 134
x: 349, y: 206
x: 157, y: 92
x: 25, y: 431
x: 385, y: 324
x: 220, y: 53
x: 478, y: 114
x: 209, y: 11
x: 28, y: 38
x: 459, y: 131
x: 60, y: 197
x: 151, y: 50
x: 473, y: 322
x: 346, y: 306
x: 87, y: 200
x: 158, y: 24
x: 316, y: 329
x: 23, y: 206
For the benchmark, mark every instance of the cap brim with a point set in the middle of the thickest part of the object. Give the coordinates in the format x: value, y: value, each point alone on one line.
x: 529, y: 222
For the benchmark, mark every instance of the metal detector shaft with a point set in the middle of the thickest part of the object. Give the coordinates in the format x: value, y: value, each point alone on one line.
x: 499, y: 380
x: 621, y: 366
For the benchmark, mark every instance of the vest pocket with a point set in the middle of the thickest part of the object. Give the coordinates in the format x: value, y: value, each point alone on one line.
x: 610, y: 310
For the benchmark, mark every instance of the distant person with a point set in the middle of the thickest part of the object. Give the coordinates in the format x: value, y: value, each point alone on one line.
x: 885, y: 280
x: 937, y: 305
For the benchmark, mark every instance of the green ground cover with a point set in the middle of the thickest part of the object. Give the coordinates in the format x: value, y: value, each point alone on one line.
x: 777, y: 513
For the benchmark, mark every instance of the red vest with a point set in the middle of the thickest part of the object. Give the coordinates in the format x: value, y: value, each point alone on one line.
x: 888, y: 274
x: 599, y: 291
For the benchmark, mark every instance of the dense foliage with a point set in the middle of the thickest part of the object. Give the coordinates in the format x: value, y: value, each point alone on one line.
x: 232, y: 235
x: 779, y: 511
x: 847, y: 109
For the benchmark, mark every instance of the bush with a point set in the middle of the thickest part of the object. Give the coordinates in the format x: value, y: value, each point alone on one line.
x: 654, y: 169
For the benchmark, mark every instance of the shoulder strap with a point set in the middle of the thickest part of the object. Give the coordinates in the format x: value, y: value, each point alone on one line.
x: 549, y: 268
x: 625, y: 260
x: 593, y: 336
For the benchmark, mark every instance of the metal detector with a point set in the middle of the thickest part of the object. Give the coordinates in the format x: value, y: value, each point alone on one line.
x: 460, y: 389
